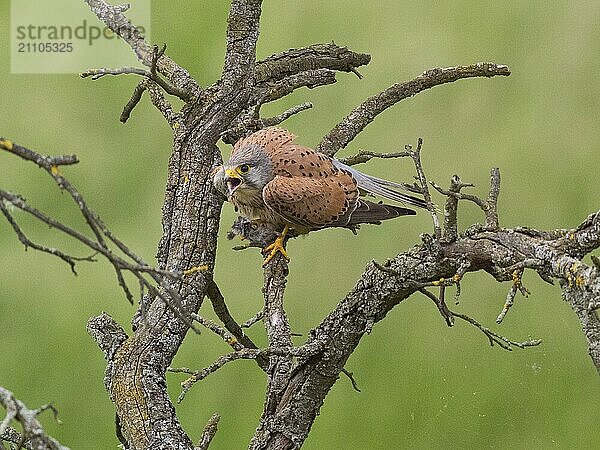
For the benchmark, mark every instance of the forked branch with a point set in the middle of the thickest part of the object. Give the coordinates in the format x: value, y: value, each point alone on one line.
x: 298, y: 381
x: 114, y: 18
x: 33, y: 435
x: 158, y: 285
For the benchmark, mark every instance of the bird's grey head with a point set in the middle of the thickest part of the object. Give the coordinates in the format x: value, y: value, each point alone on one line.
x: 246, y: 173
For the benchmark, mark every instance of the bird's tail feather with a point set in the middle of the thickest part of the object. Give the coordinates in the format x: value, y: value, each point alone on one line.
x: 381, y: 187
x: 369, y: 212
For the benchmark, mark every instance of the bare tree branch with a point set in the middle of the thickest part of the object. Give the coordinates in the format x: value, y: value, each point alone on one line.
x: 254, y: 319
x: 138, y: 268
x: 278, y: 335
x: 310, y: 79
x: 242, y: 36
x: 255, y: 123
x: 191, y: 214
x: 343, y: 133
x: 364, y: 156
x: 33, y: 435
x: 298, y: 378
x: 281, y: 74
x: 209, y: 432
x: 378, y: 291
x: 113, y: 18
x: 495, y: 338
x: 151, y: 74
x: 315, y: 57
x: 288, y: 352
x: 220, y: 308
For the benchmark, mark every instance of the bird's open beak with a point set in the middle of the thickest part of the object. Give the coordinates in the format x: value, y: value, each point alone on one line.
x: 232, y: 181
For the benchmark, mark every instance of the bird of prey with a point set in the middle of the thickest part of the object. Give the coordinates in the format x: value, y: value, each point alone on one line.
x: 270, y: 179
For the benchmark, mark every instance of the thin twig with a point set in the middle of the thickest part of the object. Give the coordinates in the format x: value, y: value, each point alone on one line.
x: 276, y: 120
x: 255, y: 123
x: 156, y: 97
x: 350, y: 376
x: 172, y: 301
x: 364, y: 156
x: 209, y: 431
x: 168, y: 295
x: 254, y: 319
x: 223, y: 333
x: 517, y: 286
x: 460, y: 196
x: 45, y: 162
x: 170, y: 89
x: 415, y: 154
x: 305, y: 351
x: 32, y: 429
x: 220, y: 308
x: 71, y: 260
x: 495, y: 338
x: 441, y: 305
x: 136, y: 96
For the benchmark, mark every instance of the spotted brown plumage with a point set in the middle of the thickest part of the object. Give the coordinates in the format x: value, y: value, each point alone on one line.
x: 271, y: 179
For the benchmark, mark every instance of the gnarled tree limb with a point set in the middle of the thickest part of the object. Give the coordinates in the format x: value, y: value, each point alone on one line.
x: 344, y: 132
x: 556, y: 254
x: 33, y: 436
x: 298, y: 381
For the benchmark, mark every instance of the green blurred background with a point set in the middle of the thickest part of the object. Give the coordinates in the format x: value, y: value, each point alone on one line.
x: 423, y: 385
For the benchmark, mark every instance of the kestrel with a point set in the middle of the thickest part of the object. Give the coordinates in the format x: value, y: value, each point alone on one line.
x: 270, y: 179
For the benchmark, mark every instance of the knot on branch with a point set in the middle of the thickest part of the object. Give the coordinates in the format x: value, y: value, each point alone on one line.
x: 107, y: 333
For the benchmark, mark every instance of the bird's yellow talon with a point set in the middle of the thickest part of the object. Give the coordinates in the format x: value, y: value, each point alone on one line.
x: 276, y: 246
x: 273, y: 248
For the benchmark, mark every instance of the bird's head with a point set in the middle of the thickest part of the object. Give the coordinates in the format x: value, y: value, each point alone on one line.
x: 246, y: 173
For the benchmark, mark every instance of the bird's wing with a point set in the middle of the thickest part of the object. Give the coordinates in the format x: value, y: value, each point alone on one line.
x: 308, y: 189
x: 311, y: 202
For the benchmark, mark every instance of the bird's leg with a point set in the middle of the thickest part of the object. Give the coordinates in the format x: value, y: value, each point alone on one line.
x: 277, y: 246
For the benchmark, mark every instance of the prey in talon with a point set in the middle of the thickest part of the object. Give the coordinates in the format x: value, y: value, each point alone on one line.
x: 272, y: 180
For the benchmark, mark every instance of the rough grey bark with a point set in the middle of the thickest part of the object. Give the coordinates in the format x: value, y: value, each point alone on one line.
x: 33, y: 436
x: 552, y: 254
x: 298, y: 378
x: 135, y: 376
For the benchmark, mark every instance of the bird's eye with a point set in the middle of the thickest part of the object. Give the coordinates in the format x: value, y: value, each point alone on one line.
x: 244, y: 168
